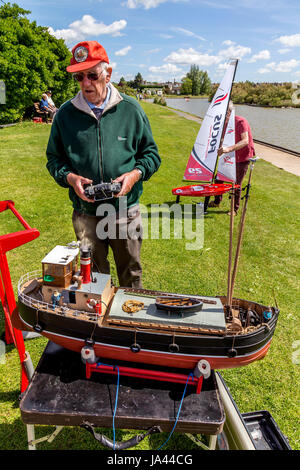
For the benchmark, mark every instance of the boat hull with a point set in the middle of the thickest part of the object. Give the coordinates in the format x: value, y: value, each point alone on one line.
x: 203, y: 189
x: 168, y: 349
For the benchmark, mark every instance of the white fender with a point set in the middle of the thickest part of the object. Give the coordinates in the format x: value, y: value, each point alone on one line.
x: 202, y: 368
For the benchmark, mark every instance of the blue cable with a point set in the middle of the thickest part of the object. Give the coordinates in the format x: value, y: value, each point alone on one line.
x: 116, y: 404
x: 116, y: 400
x: 179, y: 409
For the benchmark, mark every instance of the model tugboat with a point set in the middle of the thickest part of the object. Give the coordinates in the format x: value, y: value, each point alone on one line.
x: 74, y: 307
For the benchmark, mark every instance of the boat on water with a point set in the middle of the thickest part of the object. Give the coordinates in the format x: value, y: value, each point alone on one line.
x: 74, y: 307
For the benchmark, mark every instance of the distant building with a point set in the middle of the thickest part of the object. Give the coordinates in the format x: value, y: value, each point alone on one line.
x: 157, y: 88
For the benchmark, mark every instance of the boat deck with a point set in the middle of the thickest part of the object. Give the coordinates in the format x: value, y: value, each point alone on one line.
x: 209, y: 316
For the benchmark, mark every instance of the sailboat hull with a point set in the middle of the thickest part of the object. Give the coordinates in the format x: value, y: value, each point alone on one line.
x: 203, y: 190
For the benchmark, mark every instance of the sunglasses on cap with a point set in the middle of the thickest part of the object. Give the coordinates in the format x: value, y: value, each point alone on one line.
x: 92, y: 76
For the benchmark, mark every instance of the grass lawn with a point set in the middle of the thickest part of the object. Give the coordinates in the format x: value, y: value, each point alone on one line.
x: 268, y: 269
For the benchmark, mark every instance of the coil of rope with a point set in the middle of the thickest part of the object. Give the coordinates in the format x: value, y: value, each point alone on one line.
x: 132, y: 306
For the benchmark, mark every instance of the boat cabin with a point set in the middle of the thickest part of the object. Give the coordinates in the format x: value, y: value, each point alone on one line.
x: 60, y: 265
x: 65, y: 283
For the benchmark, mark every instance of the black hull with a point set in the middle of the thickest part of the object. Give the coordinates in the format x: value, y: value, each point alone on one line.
x: 182, y: 350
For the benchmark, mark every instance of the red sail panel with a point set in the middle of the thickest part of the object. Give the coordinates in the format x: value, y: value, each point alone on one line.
x: 195, y: 171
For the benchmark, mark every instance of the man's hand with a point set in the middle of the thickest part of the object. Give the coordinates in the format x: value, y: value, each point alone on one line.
x: 127, y: 180
x: 77, y: 182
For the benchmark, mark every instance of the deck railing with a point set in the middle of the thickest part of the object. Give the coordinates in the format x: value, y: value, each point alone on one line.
x: 40, y: 304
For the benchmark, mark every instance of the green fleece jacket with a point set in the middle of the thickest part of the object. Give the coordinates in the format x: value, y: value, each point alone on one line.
x: 101, y: 150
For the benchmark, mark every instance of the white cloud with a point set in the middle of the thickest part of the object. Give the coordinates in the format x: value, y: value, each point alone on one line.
x: 228, y: 42
x: 69, y: 35
x: 147, y: 4
x: 167, y: 68
x: 191, y: 56
x: 235, y: 51
x: 123, y: 51
x: 283, y: 66
x: 264, y: 70
x: 186, y: 32
x: 262, y: 55
x: 289, y: 41
x: 88, y: 26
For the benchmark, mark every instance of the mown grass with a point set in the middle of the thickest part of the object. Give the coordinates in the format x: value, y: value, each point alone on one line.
x: 268, y: 269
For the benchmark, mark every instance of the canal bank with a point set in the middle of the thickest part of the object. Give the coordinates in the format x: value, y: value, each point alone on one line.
x: 278, y: 157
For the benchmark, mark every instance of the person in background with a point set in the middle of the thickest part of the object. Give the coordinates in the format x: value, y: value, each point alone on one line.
x: 44, y: 106
x: 102, y: 135
x: 50, y: 101
x: 244, y: 151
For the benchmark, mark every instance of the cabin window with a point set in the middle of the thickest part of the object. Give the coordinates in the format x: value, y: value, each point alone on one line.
x: 54, y: 270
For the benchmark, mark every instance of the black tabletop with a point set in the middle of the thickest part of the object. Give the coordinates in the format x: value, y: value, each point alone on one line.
x: 60, y: 394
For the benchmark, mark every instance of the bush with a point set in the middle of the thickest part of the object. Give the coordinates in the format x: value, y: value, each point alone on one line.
x: 31, y: 62
x: 160, y: 100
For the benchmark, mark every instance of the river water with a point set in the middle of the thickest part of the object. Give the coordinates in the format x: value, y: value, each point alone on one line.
x: 275, y: 126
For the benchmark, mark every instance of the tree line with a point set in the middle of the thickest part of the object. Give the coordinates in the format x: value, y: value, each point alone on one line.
x: 261, y: 94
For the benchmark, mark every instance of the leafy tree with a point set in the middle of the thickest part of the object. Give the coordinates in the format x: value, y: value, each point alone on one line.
x: 194, y: 76
x: 31, y: 62
x: 205, y: 83
x: 201, y: 83
x: 138, y: 81
x: 122, y: 82
x: 260, y: 94
x: 187, y: 86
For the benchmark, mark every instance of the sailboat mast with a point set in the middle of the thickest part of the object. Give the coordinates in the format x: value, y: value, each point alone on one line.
x: 225, y: 122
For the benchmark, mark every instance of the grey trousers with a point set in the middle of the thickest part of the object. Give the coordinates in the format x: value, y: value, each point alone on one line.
x: 123, y: 236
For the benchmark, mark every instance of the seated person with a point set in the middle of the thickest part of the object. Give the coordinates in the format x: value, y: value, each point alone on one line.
x: 50, y: 101
x: 44, y: 106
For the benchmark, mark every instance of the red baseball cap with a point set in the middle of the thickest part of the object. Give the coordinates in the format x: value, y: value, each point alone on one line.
x: 87, y: 54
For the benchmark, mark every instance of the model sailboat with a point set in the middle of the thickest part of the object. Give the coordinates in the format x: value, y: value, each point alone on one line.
x: 204, y: 165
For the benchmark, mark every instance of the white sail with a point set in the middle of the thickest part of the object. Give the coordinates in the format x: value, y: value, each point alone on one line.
x: 203, y: 158
x: 226, y: 165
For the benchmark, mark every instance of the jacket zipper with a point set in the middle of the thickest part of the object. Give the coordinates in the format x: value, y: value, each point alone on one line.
x: 100, y: 153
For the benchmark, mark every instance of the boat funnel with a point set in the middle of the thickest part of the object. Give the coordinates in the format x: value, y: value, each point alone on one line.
x: 85, y: 264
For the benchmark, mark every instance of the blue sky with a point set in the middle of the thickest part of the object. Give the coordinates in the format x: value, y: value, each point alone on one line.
x: 162, y: 38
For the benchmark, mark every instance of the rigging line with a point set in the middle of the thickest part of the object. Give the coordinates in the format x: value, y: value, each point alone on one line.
x: 179, y: 409
x: 93, y: 331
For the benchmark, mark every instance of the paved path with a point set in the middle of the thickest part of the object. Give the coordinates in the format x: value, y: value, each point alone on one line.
x: 283, y: 160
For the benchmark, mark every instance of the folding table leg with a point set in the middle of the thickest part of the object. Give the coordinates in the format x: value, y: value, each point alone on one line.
x: 212, y: 442
x: 30, y: 436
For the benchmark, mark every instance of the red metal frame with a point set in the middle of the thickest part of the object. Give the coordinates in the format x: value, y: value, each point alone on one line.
x: 9, y: 242
x: 145, y: 374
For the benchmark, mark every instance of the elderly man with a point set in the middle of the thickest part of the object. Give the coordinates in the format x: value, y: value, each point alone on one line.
x: 244, y: 151
x: 99, y: 136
